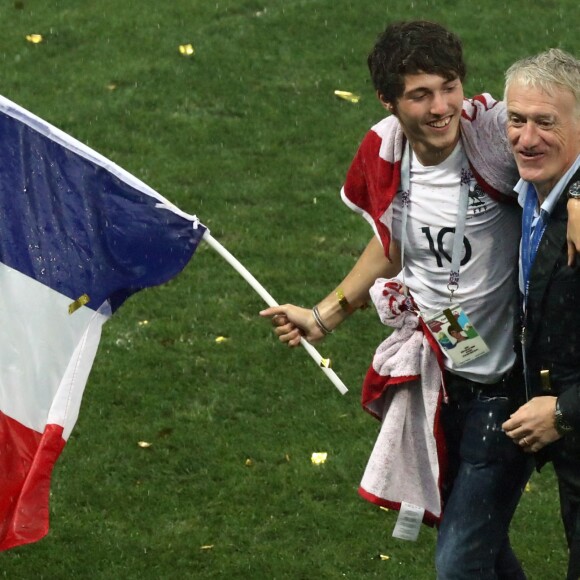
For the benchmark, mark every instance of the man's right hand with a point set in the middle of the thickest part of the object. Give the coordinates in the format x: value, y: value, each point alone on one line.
x: 291, y: 323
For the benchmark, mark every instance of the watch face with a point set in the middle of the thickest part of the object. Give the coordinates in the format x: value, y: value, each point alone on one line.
x: 574, y: 190
x: 561, y: 425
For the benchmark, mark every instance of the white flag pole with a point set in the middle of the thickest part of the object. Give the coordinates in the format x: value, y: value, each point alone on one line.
x: 249, y: 278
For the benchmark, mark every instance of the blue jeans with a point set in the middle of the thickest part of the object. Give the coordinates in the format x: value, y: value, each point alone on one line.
x: 487, y: 474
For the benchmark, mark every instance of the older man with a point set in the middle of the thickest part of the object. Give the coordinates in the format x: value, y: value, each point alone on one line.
x: 543, y: 103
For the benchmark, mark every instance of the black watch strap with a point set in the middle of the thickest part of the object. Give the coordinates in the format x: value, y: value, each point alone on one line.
x: 561, y: 425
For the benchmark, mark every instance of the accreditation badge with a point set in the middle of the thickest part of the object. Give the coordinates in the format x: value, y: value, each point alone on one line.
x: 455, y: 334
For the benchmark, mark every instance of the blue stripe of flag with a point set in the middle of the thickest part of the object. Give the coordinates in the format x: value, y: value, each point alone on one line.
x: 71, y: 224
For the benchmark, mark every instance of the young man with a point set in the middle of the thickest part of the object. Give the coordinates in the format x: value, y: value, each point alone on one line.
x: 437, y: 163
x: 543, y: 102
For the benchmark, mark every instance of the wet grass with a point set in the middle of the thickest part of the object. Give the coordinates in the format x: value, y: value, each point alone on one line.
x: 247, y: 134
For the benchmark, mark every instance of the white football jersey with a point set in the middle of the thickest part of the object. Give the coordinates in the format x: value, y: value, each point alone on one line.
x: 488, y: 275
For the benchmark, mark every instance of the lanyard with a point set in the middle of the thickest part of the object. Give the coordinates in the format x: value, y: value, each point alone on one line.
x: 532, y: 231
x: 459, y: 229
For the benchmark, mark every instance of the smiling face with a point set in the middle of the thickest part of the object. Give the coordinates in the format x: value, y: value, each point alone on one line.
x: 429, y: 111
x: 544, y: 133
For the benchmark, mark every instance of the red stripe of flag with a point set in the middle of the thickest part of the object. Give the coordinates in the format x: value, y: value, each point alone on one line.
x: 26, y: 462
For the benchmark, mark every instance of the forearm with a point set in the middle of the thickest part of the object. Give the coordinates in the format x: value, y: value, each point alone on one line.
x: 573, y: 207
x: 371, y: 265
x: 293, y: 322
x: 573, y: 233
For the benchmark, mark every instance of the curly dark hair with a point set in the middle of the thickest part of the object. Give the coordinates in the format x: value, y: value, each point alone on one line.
x: 413, y: 47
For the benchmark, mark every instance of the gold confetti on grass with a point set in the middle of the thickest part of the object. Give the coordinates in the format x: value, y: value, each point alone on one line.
x: 319, y: 458
x: 221, y: 339
x: 34, y: 38
x: 186, y: 50
x: 347, y: 96
x: 144, y: 444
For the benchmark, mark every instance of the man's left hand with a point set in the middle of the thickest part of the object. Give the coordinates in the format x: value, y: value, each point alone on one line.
x: 532, y: 425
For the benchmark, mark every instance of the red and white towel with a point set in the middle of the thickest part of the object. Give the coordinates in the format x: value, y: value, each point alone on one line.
x: 403, y: 389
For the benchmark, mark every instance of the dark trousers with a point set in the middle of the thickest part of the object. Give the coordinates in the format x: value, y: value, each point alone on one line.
x: 565, y: 455
x: 486, y: 475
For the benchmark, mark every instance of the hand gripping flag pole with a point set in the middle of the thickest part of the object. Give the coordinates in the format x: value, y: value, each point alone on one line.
x: 249, y: 278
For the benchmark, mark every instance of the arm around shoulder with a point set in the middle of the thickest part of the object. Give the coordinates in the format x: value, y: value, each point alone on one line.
x: 573, y: 232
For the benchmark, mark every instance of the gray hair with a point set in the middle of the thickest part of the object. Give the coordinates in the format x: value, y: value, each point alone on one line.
x: 546, y: 71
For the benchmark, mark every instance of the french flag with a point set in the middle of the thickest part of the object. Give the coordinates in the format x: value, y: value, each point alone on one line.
x: 78, y: 236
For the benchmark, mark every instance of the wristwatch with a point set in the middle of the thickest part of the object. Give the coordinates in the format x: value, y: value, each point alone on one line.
x: 574, y: 190
x: 562, y: 426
